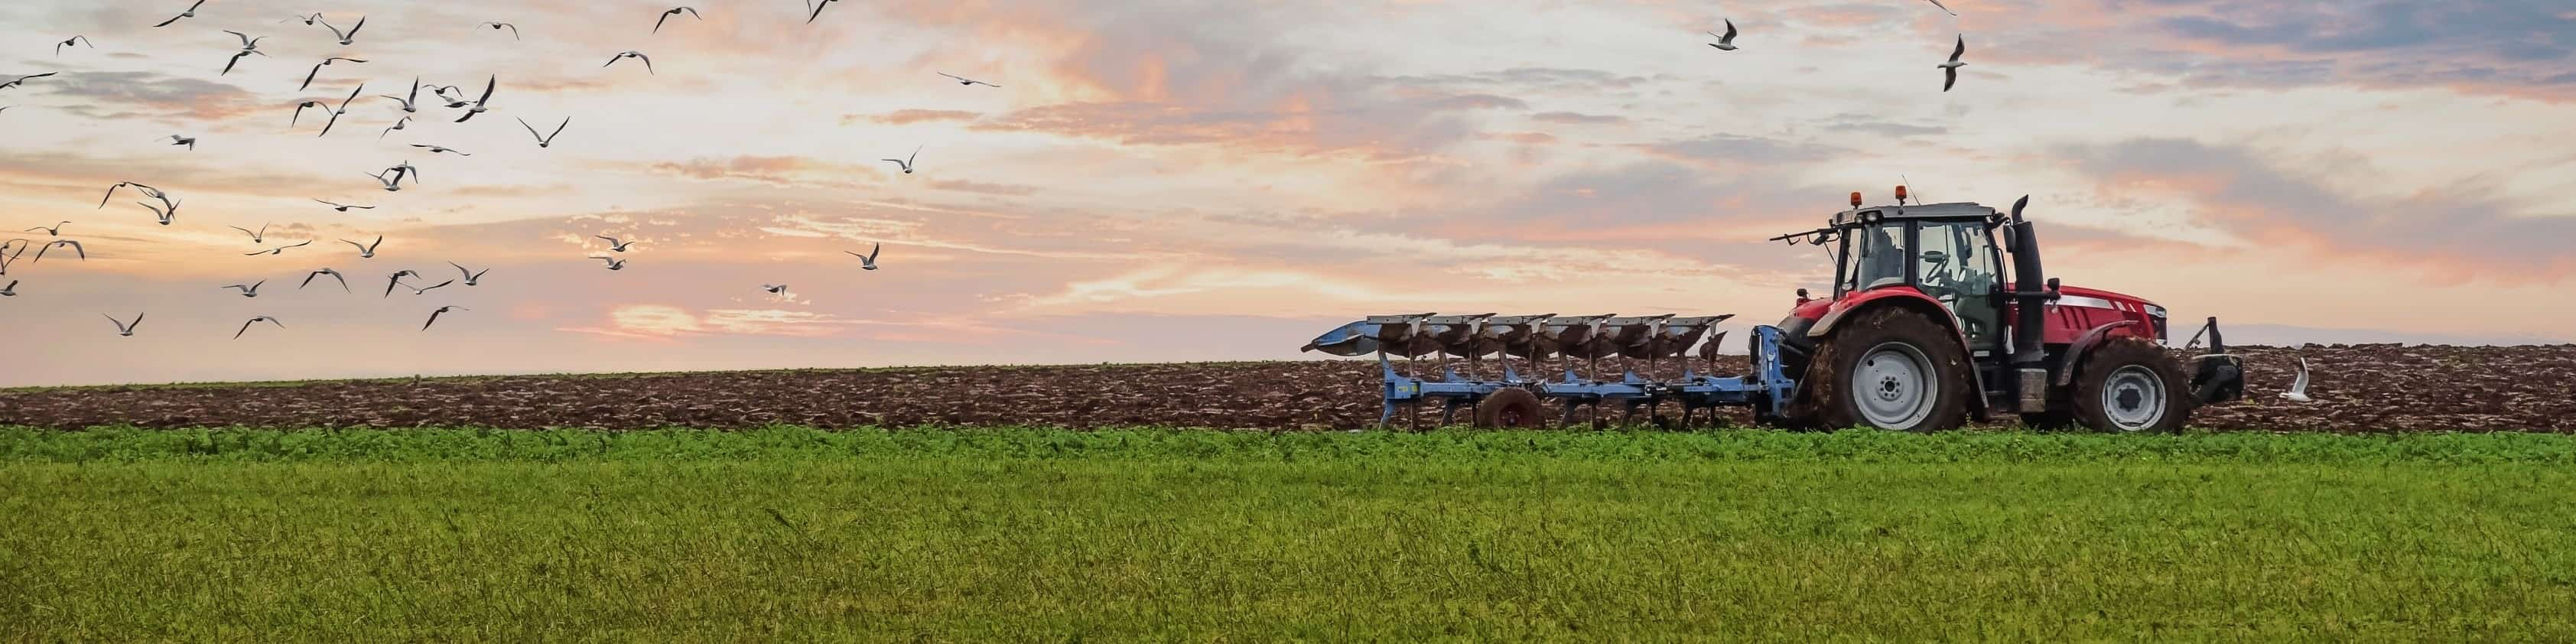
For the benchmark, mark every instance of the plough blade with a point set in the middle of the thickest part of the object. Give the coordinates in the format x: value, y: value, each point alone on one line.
x: 1542, y: 336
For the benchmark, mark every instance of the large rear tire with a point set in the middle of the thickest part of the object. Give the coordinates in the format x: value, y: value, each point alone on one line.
x: 1509, y: 407
x: 2131, y: 386
x: 1890, y: 369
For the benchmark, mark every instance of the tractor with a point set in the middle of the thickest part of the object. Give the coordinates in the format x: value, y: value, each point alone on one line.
x: 1923, y: 331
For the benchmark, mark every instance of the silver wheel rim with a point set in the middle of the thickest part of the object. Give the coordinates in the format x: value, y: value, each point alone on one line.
x: 1894, y: 387
x: 2133, y: 399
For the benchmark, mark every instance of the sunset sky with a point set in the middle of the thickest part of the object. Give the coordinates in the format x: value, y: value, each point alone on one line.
x: 1160, y: 181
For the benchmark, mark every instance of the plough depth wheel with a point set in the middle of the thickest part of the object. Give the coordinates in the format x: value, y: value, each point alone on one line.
x: 1509, y: 407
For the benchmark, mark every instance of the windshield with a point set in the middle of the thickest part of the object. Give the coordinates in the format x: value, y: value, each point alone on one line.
x: 1878, y: 257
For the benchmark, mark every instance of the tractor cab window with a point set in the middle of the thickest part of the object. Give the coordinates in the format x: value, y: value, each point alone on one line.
x: 1878, y: 257
x: 1958, y: 266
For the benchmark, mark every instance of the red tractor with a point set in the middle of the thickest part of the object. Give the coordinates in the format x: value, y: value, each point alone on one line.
x: 1924, y: 330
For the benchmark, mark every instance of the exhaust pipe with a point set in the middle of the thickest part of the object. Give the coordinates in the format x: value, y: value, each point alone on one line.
x: 2029, y: 295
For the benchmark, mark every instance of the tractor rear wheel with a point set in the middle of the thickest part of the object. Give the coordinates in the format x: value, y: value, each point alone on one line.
x: 1509, y: 407
x: 1889, y: 369
x: 2131, y: 386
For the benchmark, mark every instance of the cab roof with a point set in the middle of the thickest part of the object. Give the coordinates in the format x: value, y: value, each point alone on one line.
x: 1956, y: 210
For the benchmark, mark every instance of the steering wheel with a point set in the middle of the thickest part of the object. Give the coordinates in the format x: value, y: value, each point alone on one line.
x: 1937, y: 259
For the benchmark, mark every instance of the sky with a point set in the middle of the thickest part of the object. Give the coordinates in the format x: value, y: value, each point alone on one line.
x: 1160, y: 180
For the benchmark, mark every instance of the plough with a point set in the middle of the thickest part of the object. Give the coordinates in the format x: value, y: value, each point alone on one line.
x: 1513, y: 400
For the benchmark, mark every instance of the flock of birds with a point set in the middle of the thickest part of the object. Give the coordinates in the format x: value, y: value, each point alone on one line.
x: 165, y: 207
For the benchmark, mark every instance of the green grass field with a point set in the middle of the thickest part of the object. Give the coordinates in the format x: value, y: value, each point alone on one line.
x: 1037, y: 535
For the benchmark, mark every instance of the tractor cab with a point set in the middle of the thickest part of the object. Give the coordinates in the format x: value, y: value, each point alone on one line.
x: 1946, y: 252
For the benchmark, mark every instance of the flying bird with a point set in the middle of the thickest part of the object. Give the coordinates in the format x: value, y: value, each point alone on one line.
x: 341, y: 207
x: 249, y: 290
x: 255, y: 237
x: 249, y: 46
x: 436, y: 149
x: 281, y: 250
x: 868, y: 262
x: 189, y: 141
x: 775, y: 289
x: 397, y: 281
x: 246, y: 325
x: 614, y: 244
x: 148, y: 191
x: 545, y: 140
x: 124, y: 328
x: 22, y: 80
x: 433, y: 315
x: 2299, y: 386
x: 190, y: 13
x: 309, y: 20
x: 471, y: 277
x: 83, y: 253
x: 301, y: 107
x: 367, y: 250
x: 818, y: 10
x: 961, y: 80
x: 614, y: 264
x: 317, y: 70
x: 165, y: 215
x: 623, y: 55
x: 666, y: 15
x: 1944, y: 8
x: 443, y: 91
x: 391, y: 185
x: 409, y: 103
x: 496, y: 26
x: 347, y: 38
x: 55, y: 231
x: 1950, y: 70
x: 398, y: 124
x: 342, y: 109
x: 404, y: 169
x: 906, y: 162
x: 11, y: 290
x: 425, y: 291
x: 480, y: 105
x: 308, y: 279
x: 1725, y: 42
x: 82, y: 40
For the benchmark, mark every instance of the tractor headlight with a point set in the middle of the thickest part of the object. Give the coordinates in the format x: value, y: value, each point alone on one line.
x: 2156, y: 312
x: 2156, y: 319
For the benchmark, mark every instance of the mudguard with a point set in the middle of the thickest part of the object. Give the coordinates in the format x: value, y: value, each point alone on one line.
x: 2084, y: 344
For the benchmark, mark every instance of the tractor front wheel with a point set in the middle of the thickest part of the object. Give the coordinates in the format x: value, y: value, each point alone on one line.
x: 2131, y: 386
x: 1890, y: 369
x: 1509, y: 407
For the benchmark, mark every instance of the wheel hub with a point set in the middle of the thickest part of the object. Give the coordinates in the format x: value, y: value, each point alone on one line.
x: 2134, y: 398
x: 1897, y: 379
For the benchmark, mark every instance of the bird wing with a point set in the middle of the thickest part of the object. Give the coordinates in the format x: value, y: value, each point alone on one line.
x: 433, y: 318
x: 1949, y: 77
x: 166, y: 23
x: 559, y: 129
x: 353, y: 30
x: 959, y: 78
x: 1962, y: 50
x: 873, y: 250
x: 532, y: 130
x: 245, y: 38
x: 818, y: 11
x: 648, y: 62
x: 228, y: 65
x: 245, y: 231
x: 245, y: 328
x: 666, y: 16
x: 488, y: 84
x: 2300, y: 384
x: 693, y: 13
x: 1944, y: 8
x: 308, y: 76
x: 1730, y: 32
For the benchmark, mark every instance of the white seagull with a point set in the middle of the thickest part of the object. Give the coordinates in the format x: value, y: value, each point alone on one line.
x: 22, y: 80
x: 471, y: 277
x: 775, y: 289
x: 83, y: 253
x: 1950, y: 70
x: 433, y: 315
x: 249, y: 46
x: 1725, y: 42
x: 367, y: 250
x: 398, y: 124
x: 81, y: 40
x: 281, y: 250
x: 190, y: 13
x: 397, y: 281
x: 614, y: 264
x: 437, y: 149
x: 246, y: 325
x: 545, y: 140
x: 868, y: 262
x: 961, y: 80
x: 317, y: 70
x: 56, y: 231
x: 2299, y: 386
x: 347, y: 38
x: 249, y: 290
x: 308, y: 279
x: 189, y: 141
x: 124, y: 328
x: 614, y: 244
x: 341, y: 207
x: 496, y: 26
x: 410, y: 103
x: 255, y: 236
x: 906, y: 162
x: 167, y: 214
x: 480, y: 105
x: 666, y: 15
x: 623, y: 55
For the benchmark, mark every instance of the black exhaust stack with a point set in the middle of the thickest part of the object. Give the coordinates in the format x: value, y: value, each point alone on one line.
x: 2030, y: 297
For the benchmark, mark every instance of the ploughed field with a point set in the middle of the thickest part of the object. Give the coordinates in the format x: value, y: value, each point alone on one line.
x: 2358, y: 388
